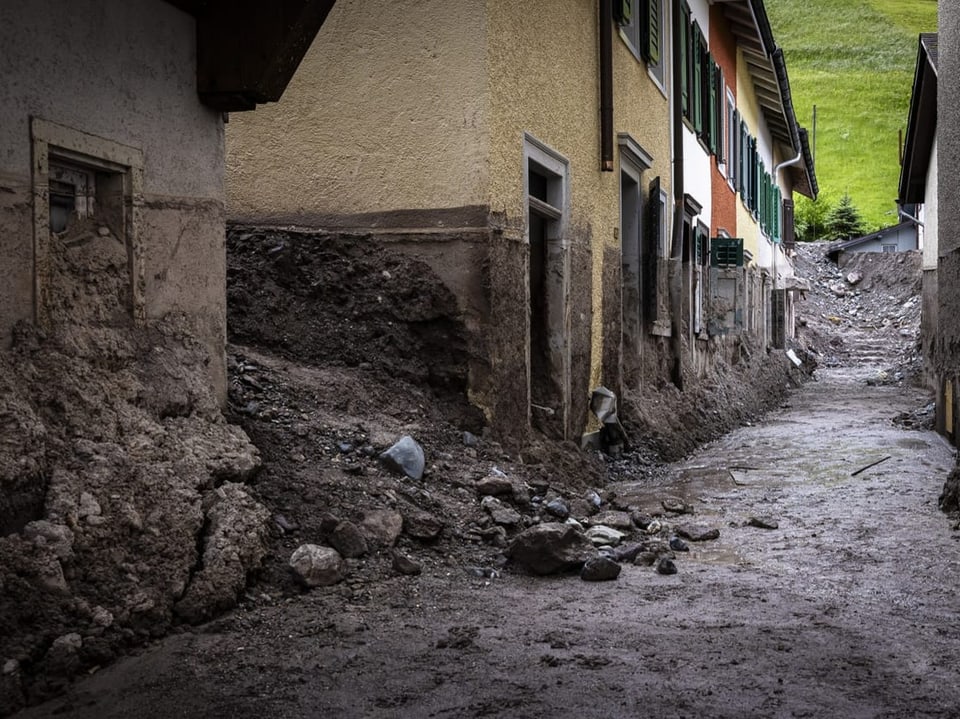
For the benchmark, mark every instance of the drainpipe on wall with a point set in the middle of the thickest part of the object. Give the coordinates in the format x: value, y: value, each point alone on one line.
x: 676, y: 254
x: 606, y: 85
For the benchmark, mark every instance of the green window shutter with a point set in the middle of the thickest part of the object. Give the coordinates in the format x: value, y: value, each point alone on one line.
x: 721, y: 113
x: 744, y: 156
x: 623, y: 11
x: 650, y: 33
x: 696, y: 91
x: 726, y: 252
x: 685, y: 60
x: 714, y: 108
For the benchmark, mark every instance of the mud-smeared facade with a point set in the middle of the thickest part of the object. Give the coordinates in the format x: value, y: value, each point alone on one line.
x: 541, y: 164
x: 115, y: 114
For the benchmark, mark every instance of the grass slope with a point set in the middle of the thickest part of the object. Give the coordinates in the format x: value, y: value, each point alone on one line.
x: 854, y: 60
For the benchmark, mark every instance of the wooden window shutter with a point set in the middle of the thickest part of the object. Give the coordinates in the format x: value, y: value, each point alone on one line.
x: 623, y: 11
x: 685, y: 60
x: 721, y: 104
x: 789, y: 236
x: 650, y: 32
x: 726, y: 252
x: 714, y: 108
x: 696, y: 91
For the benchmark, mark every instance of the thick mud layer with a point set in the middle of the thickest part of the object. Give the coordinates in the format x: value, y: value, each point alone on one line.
x: 843, y: 606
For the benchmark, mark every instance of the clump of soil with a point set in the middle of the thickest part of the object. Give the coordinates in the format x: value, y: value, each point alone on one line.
x: 121, y: 503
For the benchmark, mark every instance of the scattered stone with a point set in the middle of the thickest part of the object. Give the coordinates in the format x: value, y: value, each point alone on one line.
x: 11, y: 666
x: 494, y: 485
x: 593, y: 498
x: 316, y: 566
x: 486, y: 572
x: 420, y: 524
x: 698, y: 532
x: 496, y: 535
x: 612, y: 518
x: 470, y: 439
x: 676, y: 506
x: 654, y: 527
x: 347, y: 539
x: 641, y: 520
x: 500, y: 513
x: 573, y: 523
x: 102, y: 617
x: 763, y: 522
x: 382, y: 526
x: 599, y: 569
x: 558, y: 508
x: 625, y: 553
x: 285, y: 524
x: 405, y: 457
x: 678, y: 545
x: 550, y: 548
x: 601, y: 535
x: 402, y: 564
x: 854, y: 277
x: 665, y: 565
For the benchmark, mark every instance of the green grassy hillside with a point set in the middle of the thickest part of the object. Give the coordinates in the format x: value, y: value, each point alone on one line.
x: 854, y: 60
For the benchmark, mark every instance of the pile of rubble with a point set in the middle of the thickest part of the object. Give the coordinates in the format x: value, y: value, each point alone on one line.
x: 866, y: 311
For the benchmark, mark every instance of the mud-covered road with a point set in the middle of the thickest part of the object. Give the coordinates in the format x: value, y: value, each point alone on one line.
x: 847, y: 608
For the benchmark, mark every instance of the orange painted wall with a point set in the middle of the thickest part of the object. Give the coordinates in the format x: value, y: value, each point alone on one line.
x: 723, y: 46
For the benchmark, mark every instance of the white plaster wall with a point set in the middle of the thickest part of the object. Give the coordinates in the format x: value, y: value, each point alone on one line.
x: 125, y: 71
x: 930, y: 231
x: 697, y: 166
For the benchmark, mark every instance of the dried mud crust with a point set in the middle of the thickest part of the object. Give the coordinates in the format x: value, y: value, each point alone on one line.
x: 122, y: 509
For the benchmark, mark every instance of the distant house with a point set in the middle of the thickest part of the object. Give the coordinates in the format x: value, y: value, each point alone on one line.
x: 919, y: 187
x: 113, y: 115
x: 897, y: 238
x: 605, y: 186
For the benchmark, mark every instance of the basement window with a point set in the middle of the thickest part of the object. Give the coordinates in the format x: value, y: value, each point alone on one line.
x: 76, y: 176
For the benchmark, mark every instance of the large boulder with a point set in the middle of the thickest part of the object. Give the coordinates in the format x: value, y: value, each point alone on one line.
x: 316, y: 566
x: 550, y: 548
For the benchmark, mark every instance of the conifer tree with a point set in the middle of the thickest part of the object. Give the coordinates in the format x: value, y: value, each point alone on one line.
x: 844, y: 221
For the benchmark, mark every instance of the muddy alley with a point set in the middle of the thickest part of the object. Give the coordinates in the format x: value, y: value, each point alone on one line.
x: 829, y: 592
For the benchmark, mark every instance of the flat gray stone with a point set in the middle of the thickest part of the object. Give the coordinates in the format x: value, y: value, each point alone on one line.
x: 405, y: 457
x: 550, y: 549
x: 600, y: 569
x: 316, y: 566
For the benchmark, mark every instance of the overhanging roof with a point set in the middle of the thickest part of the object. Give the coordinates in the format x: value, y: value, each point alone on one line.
x: 921, y: 123
x: 248, y: 50
x: 750, y: 26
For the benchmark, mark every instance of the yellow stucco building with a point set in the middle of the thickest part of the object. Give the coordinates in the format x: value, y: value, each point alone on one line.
x: 520, y: 154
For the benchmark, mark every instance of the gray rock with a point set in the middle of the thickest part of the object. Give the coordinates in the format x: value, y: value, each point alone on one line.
x: 854, y: 277
x: 678, y: 545
x: 405, y: 457
x: 626, y: 553
x: 600, y: 569
x: 601, y: 535
x: 698, y: 532
x: 470, y: 439
x: 558, y: 508
x: 420, y: 524
x: 550, y: 548
x: 494, y: 485
x: 763, y: 522
x: 665, y: 565
x: 347, y: 539
x: 382, y: 526
x: 612, y: 518
x: 676, y: 506
x: 316, y: 566
x: 500, y: 513
x: 402, y: 564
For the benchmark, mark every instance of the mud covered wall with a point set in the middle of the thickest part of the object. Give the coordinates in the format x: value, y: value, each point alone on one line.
x: 127, y: 74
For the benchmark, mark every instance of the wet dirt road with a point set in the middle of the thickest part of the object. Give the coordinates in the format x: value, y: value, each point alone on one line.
x: 848, y: 609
